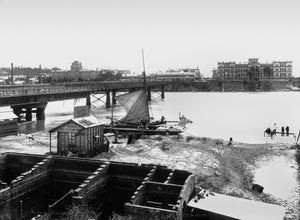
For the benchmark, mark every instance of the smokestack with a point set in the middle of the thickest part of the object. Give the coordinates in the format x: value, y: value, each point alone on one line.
x: 12, y: 73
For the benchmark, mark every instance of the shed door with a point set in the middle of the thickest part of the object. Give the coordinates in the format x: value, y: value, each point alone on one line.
x: 66, y: 142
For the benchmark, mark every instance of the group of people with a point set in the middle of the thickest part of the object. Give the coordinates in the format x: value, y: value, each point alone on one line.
x: 272, y: 132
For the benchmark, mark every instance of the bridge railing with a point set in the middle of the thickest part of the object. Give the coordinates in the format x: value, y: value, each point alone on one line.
x: 40, y: 89
x: 25, y: 91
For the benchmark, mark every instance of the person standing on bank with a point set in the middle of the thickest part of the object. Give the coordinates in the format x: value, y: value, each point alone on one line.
x: 274, y: 129
x: 282, y: 131
x: 287, y: 129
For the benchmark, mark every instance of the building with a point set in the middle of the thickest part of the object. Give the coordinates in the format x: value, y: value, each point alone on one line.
x: 178, y: 74
x: 76, y: 66
x: 81, y: 136
x: 253, y: 69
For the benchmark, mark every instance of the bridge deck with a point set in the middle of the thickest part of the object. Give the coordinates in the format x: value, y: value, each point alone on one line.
x: 10, y: 95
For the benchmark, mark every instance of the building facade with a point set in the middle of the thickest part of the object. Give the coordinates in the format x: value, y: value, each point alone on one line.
x: 253, y: 69
x: 185, y: 74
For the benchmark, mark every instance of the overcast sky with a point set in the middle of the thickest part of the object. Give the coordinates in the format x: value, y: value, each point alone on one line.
x: 174, y: 34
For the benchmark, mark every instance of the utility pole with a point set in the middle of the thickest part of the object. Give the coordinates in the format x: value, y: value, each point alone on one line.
x: 12, y: 73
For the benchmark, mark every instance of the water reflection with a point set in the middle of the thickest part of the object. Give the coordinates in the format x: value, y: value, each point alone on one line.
x: 31, y: 126
x: 278, y: 176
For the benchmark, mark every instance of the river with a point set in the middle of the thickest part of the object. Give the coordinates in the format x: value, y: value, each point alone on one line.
x: 242, y: 116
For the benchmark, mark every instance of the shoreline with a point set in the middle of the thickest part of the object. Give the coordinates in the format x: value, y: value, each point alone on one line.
x: 222, y: 168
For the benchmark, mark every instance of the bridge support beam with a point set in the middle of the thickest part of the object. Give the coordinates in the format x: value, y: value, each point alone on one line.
x: 88, y: 101
x: 107, y: 104
x: 28, y: 114
x: 27, y: 110
x: 162, y: 92
x: 149, y: 93
x: 113, y: 97
x: 40, y: 114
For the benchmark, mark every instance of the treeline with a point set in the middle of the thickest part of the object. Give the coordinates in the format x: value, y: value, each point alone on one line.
x: 26, y: 71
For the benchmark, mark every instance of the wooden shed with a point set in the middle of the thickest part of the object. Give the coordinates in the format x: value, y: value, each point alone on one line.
x: 80, y: 136
x: 8, y: 124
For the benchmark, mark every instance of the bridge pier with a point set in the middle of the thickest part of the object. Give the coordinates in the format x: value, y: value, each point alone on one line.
x: 17, y: 111
x: 40, y: 114
x: 38, y: 108
x: 28, y: 114
x: 162, y: 92
x: 107, y: 104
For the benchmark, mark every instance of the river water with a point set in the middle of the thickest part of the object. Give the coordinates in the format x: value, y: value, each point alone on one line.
x: 242, y: 116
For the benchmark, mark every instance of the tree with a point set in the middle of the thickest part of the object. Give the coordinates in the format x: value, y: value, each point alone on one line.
x: 253, y: 73
x: 268, y: 72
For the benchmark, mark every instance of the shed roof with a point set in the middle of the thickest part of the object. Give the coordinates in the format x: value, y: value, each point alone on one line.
x: 84, y: 122
x: 238, y: 208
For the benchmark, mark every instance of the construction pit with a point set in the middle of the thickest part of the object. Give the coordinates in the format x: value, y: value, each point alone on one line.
x: 34, y: 184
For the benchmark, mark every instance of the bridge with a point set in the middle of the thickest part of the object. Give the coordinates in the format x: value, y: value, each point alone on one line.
x: 28, y: 99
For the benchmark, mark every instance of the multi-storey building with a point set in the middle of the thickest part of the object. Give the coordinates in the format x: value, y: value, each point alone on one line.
x: 253, y: 69
x: 185, y: 74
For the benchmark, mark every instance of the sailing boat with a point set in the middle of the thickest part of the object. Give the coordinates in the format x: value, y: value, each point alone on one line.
x: 137, y: 119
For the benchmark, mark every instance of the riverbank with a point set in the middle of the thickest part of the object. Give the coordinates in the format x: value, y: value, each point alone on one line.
x: 229, y: 85
x: 221, y: 167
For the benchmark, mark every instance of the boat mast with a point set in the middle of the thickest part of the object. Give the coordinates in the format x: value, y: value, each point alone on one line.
x: 144, y: 72
x: 145, y: 87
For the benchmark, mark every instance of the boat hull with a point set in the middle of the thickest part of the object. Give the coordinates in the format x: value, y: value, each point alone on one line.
x: 142, y: 131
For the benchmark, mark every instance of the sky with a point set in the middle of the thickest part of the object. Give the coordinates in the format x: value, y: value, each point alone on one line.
x: 172, y: 33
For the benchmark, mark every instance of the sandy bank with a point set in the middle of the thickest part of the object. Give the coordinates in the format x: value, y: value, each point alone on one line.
x: 223, y: 168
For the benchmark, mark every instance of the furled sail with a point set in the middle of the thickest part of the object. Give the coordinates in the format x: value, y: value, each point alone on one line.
x: 136, y: 106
